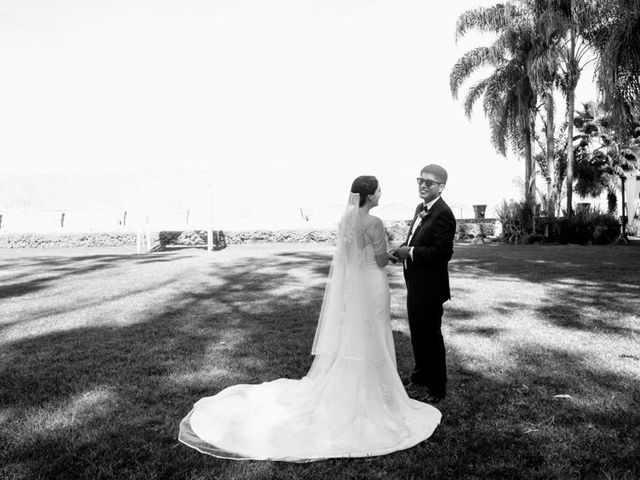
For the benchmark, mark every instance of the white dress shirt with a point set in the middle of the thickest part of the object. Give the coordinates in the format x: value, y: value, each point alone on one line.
x: 418, y: 221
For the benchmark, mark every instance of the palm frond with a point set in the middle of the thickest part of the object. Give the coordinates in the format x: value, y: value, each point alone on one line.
x: 469, y: 63
x: 541, y: 160
x: 474, y: 94
x: 619, y: 72
x: 543, y: 67
x: 484, y: 19
x: 503, y: 121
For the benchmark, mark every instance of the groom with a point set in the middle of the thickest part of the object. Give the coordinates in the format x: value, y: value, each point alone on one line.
x: 425, y: 255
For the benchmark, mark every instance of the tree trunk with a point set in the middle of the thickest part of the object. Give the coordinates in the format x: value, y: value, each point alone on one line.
x: 530, y: 175
x: 570, y: 108
x: 571, y: 85
x: 527, y: 170
x: 551, y: 168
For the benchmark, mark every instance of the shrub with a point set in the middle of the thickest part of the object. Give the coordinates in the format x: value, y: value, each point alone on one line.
x: 606, y: 229
x: 589, y: 227
x: 547, y: 227
x: 167, y: 237
x: 486, y: 230
x: 584, y: 227
x: 462, y: 231
x: 534, y: 239
x: 189, y: 238
x: 50, y: 240
x: 516, y: 219
x: 633, y: 227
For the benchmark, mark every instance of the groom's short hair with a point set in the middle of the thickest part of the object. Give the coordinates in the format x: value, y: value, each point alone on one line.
x: 437, y: 171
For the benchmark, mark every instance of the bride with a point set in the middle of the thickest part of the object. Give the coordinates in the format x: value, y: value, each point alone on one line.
x: 352, y: 402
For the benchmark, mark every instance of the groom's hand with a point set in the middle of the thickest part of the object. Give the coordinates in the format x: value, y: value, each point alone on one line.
x: 391, y: 256
x: 401, y: 253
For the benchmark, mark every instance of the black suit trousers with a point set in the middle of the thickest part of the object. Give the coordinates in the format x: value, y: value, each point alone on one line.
x: 425, y: 322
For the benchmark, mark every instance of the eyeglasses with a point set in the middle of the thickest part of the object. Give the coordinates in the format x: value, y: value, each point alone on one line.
x: 427, y: 183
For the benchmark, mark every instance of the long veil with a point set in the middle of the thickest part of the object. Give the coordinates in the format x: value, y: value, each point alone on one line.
x: 346, y: 321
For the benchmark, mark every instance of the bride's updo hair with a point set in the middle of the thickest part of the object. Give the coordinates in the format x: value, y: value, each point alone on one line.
x: 364, y: 185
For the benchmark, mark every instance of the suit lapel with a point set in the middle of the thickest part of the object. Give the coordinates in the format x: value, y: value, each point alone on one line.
x: 423, y: 220
x: 422, y: 223
x: 415, y: 219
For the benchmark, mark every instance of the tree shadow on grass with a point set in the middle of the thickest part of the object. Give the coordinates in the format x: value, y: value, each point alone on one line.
x: 508, y: 423
x: 483, y: 331
x: 71, y: 262
x: 504, y: 308
x: 321, y: 261
x: 457, y: 313
x: 105, y: 401
x: 505, y: 421
x: 153, y: 371
x: 578, y: 281
x: 18, y: 289
x: 66, y: 267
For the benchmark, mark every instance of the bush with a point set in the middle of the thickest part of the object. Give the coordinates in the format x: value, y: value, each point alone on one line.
x: 55, y: 240
x: 534, y: 239
x: 584, y: 227
x: 486, y: 230
x: 547, y: 227
x: 189, y: 238
x: 462, y: 231
x: 516, y: 219
x: 589, y: 228
x: 474, y: 229
x: 633, y: 227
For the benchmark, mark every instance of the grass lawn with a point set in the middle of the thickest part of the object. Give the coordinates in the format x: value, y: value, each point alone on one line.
x: 102, y: 352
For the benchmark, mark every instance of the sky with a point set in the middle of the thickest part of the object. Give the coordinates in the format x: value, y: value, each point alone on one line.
x: 271, y: 102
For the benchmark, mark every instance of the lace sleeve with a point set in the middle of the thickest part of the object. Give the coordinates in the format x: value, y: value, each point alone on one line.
x: 377, y: 237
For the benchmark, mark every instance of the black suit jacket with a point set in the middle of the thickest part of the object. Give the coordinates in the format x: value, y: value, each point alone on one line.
x: 427, y: 275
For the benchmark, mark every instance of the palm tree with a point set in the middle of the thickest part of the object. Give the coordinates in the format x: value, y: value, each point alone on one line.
x: 604, y: 157
x: 509, y: 100
x: 552, y: 163
x: 544, y: 67
x: 543, y: 45
x: 564, y: 28
x: 617, y: 41
x: 570, y: 23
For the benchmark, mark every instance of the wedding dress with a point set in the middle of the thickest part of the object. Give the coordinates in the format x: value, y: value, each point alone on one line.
x: 351, y: 403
